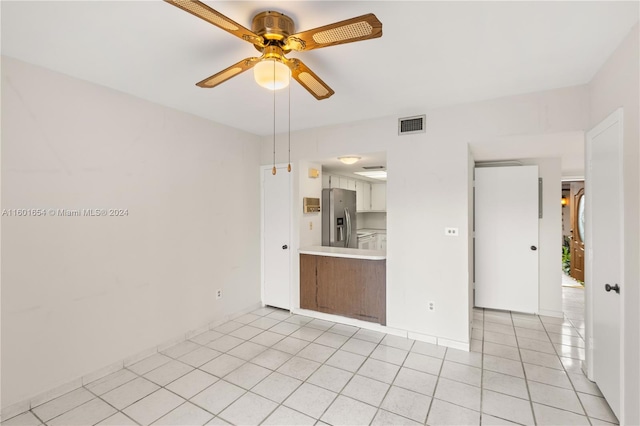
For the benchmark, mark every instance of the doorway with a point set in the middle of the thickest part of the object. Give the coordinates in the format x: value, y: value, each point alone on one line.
x: 573, y: 233
x: 507, y: 213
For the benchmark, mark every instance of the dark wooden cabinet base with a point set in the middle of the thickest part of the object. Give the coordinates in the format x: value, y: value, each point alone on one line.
x: 354, y: 288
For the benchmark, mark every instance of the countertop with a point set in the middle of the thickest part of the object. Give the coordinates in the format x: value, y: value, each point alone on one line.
x: 370, y: 231
x: 344, y: 252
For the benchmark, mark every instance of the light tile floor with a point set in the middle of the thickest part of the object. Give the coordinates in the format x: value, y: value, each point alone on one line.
x: 272, y: 368
x: 569, y: 281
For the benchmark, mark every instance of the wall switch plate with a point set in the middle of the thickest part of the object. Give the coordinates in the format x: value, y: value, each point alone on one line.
x: 451, y: 232
x: 310, y: 226
x: 218, y: 294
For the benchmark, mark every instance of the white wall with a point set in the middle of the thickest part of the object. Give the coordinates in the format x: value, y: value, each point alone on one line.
x: 372, y: 220
x: 303, y: 236
x: 427, y: 190
x: 308, y: 187
x: 80, y: 293
x: 617, y: 85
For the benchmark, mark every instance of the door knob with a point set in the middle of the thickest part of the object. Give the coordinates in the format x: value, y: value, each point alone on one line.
x: 284, y: 247
x: 615, y: 288
x: 534, y: 248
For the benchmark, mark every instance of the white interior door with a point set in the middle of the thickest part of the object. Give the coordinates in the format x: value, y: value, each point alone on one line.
x: 506, y: 238
x: 603, y: 243
x: 276, y: 211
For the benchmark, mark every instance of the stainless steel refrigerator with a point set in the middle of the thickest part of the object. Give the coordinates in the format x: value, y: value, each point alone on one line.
x: 339, y: 218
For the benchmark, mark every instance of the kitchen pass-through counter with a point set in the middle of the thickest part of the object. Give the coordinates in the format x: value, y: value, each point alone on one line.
x: 344, y: 252
x: 344, y: 281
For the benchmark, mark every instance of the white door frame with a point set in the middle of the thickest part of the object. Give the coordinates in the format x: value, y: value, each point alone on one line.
x: 613, y: 118
x: 281, y: 168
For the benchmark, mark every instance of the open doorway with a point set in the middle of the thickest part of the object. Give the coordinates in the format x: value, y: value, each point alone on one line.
x: 366, y: 175
x: 573, y: 258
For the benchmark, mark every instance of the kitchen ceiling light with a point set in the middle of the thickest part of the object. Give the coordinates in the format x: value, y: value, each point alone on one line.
x: 377, y: 174
x: 272, y: 74
x: 349, y: 159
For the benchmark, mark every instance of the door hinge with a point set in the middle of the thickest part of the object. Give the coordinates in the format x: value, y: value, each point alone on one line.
x: 539, y: 198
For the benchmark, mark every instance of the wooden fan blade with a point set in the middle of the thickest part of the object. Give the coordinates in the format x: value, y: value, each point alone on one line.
x: 216, y: 18
x: 228, y: 73
x: 355, y: 29
x: 309, y: 80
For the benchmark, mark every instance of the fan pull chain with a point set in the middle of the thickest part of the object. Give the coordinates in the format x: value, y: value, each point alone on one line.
x: 273, y: 171
x: 289, y: 166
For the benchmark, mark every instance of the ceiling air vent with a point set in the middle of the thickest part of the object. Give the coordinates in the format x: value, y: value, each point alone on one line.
x: 410, y: 125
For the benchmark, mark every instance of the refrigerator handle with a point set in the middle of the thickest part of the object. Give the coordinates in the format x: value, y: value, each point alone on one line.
x: 348, y: 217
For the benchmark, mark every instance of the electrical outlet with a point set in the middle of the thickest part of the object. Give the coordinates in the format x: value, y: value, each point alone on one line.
x: 218, y: 294
x: 451, y: 232
x: 432, y: 306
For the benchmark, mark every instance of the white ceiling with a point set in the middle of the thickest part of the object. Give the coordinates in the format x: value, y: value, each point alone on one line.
x: 333, y: 165
x: 431, y: 54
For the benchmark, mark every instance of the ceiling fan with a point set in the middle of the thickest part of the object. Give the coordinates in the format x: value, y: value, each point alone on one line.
x: 273, y: 35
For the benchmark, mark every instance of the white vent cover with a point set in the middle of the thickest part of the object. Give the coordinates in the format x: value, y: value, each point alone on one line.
x: 410, y: 125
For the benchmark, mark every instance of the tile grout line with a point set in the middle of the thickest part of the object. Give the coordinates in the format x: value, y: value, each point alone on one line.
x: 245, y: 362
x: 378, y: 344
x: 569, y: 377
x: 305, y: 381
x: 524, y: 372
x: 117, y: 411
x: 96, y: 396
x: 160, y: 387
x: 169, y: 390
x: 314, y: 371
x: 541, y: 366
x: 327, y: 330
x: 435, y: 387
x: 521, y: 363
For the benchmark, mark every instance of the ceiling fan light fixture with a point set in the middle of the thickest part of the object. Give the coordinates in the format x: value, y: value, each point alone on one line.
x: 272, y: 74
x: 349, y: 159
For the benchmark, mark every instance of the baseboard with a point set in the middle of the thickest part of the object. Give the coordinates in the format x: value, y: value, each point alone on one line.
x: 39, y: 399
x: 423, y: 337
x: 385, y: 329
x: 555, y: 314
x: 350, y: 321
x: 439, y: 341
x: 454, y: 344
x: 14, y: 410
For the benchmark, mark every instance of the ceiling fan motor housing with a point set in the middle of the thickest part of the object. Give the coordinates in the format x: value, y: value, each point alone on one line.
x: 272, y: 25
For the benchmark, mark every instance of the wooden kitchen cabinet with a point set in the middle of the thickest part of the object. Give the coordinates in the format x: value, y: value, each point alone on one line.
x: 354, y: 288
